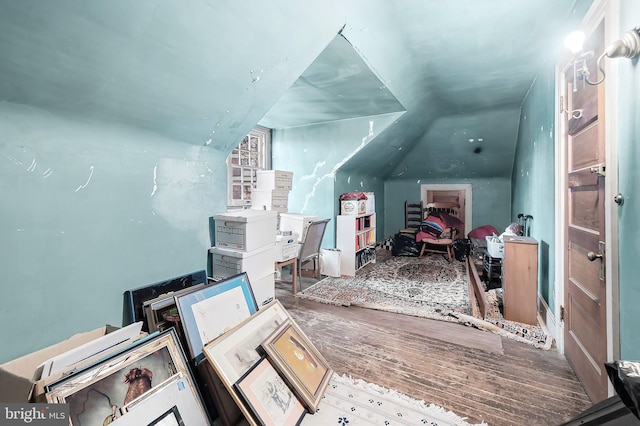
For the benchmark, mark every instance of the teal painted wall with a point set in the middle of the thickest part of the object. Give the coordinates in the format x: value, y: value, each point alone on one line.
x: 534, y: 176
x: 93, y: 208
x: 491, y: 201
x: 315, y: 153
x: 88, y: 211
x: 629, y: 186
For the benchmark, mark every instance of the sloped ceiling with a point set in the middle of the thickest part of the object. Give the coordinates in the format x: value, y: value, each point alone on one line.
x: 206, y: 71
x: 338, y: 85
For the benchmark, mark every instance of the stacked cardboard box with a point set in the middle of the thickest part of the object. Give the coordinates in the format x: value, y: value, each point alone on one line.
x: 272, y: 190
x: 245, y: 241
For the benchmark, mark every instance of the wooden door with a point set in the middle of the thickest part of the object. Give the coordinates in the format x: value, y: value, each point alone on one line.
x: 585, y: 327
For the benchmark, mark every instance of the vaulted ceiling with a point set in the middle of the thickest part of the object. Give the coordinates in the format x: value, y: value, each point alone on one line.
x: 206, y: 71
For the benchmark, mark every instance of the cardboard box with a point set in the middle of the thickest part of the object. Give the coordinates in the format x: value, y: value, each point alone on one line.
x: 353, y: 207
x: 296, y: 223
x: 16, y: 377
x: 256, y: 263
x: 270, y: 200
x: 287, y: 246
x: 264, y: 289
x: 268, y: 180
x: 245, y: 230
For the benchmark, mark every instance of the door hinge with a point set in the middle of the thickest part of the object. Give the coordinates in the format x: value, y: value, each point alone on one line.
x: 561, y: 313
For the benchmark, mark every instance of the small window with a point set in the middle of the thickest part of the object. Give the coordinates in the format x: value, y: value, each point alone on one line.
x: 251, y: 155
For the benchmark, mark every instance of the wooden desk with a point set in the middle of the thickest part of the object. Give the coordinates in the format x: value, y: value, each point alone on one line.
x: 294, y: 273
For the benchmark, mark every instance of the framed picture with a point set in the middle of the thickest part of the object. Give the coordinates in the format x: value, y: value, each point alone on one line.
x: 299, y: 362
x: 167, y: 404
x: 99, y: 391
x: 233, y: 353
x: 268, y: 397
x: 170, y: 418
x: 67, y: 361
x: 207, y: 313
x: 133, y: 310
x: 154, y: 309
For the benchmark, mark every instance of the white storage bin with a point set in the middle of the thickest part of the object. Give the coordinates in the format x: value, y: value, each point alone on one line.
x: 256, y: 263
x: 287, y: 247
x: 245, y: 230
x: 270, y: 200
x: 330, y: 262
x: 296, y: 223
x: 264, y: 289
x: 495, y: 247
x: 268, y: 180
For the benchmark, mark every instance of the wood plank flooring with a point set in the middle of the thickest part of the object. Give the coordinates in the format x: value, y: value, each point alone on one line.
x: 476, y: 374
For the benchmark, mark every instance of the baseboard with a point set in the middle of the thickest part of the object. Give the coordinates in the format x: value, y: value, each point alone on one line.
x: 547, y: 319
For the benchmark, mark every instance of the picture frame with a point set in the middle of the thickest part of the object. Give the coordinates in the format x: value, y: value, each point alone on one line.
x: 207, y: 313
x: 98, y: 391
x: 299, y: 362
x: 134, y: 299
x: 167, y: 404
x: 233, y: 353
x: 171, y: 417
x: 67, y: 361
x: 156, y: 307
x: 269, y: 397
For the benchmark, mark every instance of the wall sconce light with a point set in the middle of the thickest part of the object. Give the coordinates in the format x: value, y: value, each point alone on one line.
x: 627, y: 46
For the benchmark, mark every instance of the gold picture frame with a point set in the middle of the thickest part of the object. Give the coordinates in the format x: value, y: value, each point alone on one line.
x: 299, y: 362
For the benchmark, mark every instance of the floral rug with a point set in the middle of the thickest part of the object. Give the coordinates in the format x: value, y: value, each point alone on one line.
x: 352, y: 402
x: 428, y: 287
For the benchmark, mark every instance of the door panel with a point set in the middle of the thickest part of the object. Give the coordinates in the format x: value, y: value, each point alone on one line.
x: 580, y: 152
x: 585, y: 286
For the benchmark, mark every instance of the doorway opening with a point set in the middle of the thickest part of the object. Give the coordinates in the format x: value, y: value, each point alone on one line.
x: 451, y: 193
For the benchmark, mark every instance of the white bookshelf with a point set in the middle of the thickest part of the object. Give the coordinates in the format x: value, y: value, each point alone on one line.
x: 356, y: 240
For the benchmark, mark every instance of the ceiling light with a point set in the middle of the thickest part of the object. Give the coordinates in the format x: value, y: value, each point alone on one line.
x: 574, y: 41
x: 627, y: 46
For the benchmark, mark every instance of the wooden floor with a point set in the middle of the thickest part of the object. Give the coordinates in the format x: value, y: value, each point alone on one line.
x: 476, y: 374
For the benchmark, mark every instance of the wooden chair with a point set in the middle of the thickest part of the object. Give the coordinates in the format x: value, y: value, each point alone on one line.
x: 412, y: 217
x: 443, y: 245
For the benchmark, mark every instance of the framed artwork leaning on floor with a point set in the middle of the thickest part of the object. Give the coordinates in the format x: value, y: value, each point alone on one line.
x: 100, y: 391
x: 299, y: 362
x: 207, y: 313
x: 269, y: 398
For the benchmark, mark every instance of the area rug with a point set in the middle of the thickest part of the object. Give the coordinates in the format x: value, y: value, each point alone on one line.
x: 352, y: 402
x: 534, y: 335
x: 429, y: 287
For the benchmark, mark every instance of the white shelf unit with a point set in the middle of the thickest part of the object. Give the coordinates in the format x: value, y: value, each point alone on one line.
x: 356, y: 240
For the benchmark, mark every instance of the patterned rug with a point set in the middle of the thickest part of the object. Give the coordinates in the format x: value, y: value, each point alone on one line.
x: 428, y: 287
x: 352, y: 402
x: 533, y: 335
